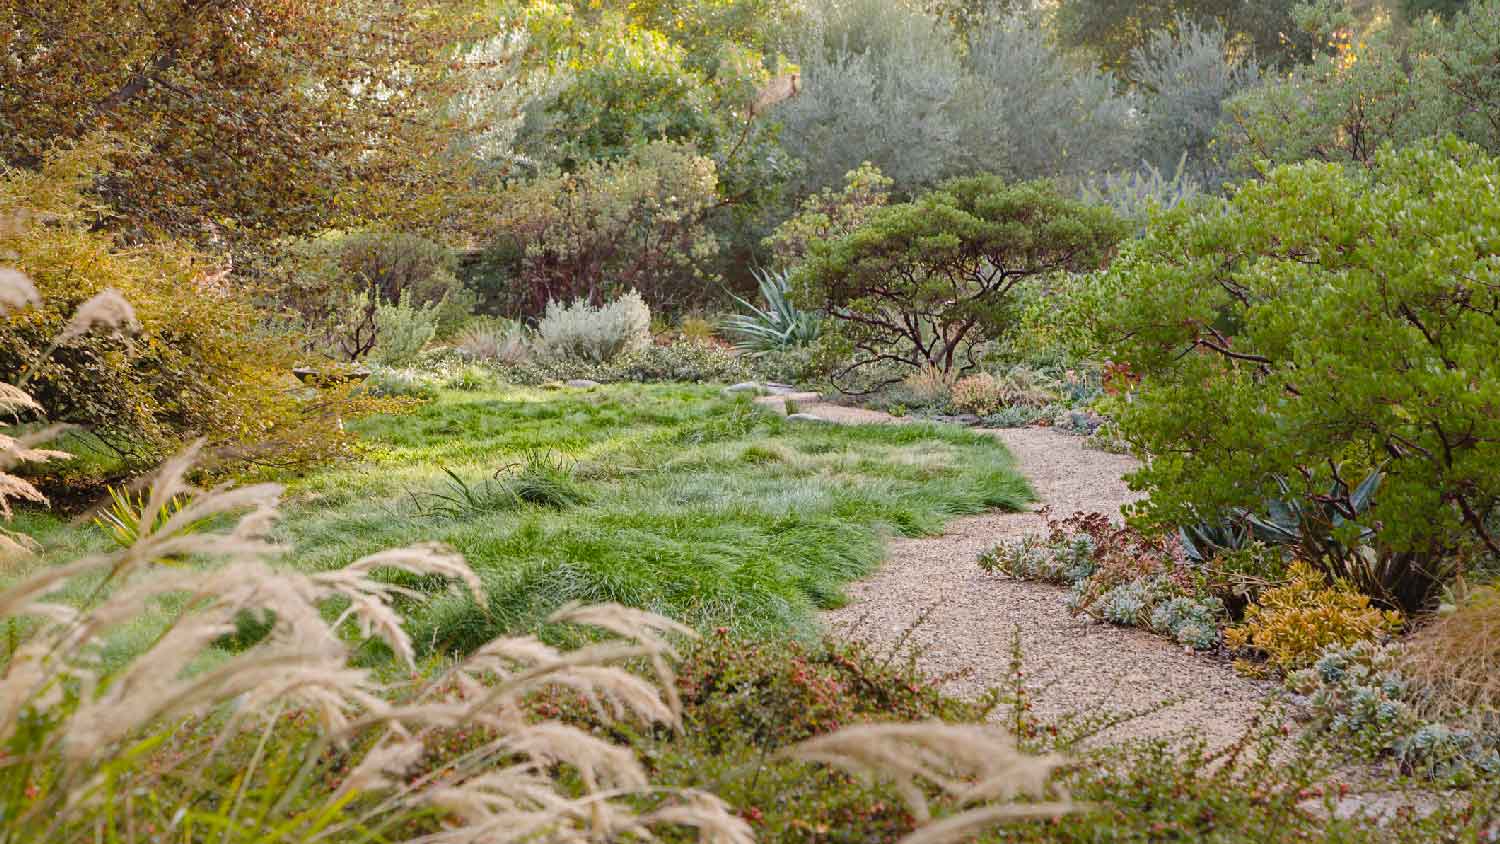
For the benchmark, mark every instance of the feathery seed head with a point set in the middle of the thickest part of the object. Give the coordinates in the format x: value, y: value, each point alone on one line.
x: 16, y: 291
x: 106, y: 311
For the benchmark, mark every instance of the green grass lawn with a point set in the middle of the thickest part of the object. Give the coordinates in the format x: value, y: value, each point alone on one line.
x: 670, y: 498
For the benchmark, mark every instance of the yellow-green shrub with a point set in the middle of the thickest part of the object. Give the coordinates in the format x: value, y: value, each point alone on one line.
x: 198, y: 365
x: 1291, y: 624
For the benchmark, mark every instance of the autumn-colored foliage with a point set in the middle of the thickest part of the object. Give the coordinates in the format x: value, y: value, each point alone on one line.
x: 240, y: 119
x: 196, y: 367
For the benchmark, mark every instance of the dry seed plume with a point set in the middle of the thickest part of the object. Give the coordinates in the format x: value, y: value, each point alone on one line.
x: 16, y: 291
x: 107, y: 311
x: 504, y: 791
x: 969, y: 763
x: 780, y: 89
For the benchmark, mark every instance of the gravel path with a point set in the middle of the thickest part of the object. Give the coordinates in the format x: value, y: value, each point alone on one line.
x: 1072, y: 664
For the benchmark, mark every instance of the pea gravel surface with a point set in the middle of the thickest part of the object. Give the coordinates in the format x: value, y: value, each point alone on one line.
x: 931, y: 597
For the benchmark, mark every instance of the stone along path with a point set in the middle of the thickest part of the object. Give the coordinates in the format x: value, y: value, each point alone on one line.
x: 1072, y: 664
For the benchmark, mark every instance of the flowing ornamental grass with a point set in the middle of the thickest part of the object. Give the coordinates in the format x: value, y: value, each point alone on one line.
x: 307, y: 746
x: 94, y: 751
x: 107, y: 311
x: 667, y: 498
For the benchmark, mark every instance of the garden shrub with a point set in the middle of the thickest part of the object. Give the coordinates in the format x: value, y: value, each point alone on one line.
x: 1290, y: 625
x: 923, y: 281
x: 402, y: 329
x: 390, y: 382
x: 979, y: 394
x: 1118, y: 575
x: 335, y: 285
x: 470, y: 379
x: 582, y: 332
x: 1017, y: 416
x: 1325, y: 322
x: 1136, y: 194
x: 200, y: 365
x: 1191, y: 621
x: 608, y: 227
x: 689, y: 361
x: 827, y: 214
x: 681, y: 362
x: 792, y: 366
x: 492, y: 340
x: 927, y: 387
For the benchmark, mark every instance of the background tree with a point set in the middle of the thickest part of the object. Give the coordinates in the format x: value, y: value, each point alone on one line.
x: 1111, y: 30
x: 1025, y: 111
x: 922, y: 282
x: 1415, y: 9
x: 1388, y: 88
x: 1186, y: 75
x: 878, y: 80
x: 242, y: 119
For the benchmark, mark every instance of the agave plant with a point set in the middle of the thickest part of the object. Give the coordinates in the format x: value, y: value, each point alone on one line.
x: 126, y: 519
x: 779, y: 325
x: 1316, y: 529
x: 1324, y: 530
x: 1206, y: 540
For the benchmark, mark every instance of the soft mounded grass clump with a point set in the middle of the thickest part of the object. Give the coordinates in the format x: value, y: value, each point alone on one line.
x: 668, y: 498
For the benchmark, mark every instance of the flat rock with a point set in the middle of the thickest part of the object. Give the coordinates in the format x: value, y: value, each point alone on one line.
x: 745, y: 387
x: 804, y: 417
x: 581, y: 383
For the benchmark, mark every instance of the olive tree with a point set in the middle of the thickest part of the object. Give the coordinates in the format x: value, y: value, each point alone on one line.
x: 921, y: 282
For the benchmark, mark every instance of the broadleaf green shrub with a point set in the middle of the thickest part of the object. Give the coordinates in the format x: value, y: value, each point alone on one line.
x: 1323, y: 322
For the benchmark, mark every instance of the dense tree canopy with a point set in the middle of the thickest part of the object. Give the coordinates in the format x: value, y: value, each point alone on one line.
x: 252, y: 118
x: 918, y: 284
x: 1112, y: 29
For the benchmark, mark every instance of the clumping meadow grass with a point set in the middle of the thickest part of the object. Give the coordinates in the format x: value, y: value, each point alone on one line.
x: 667, y: 498
x: 94, y: 751
x: 286, y: 736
